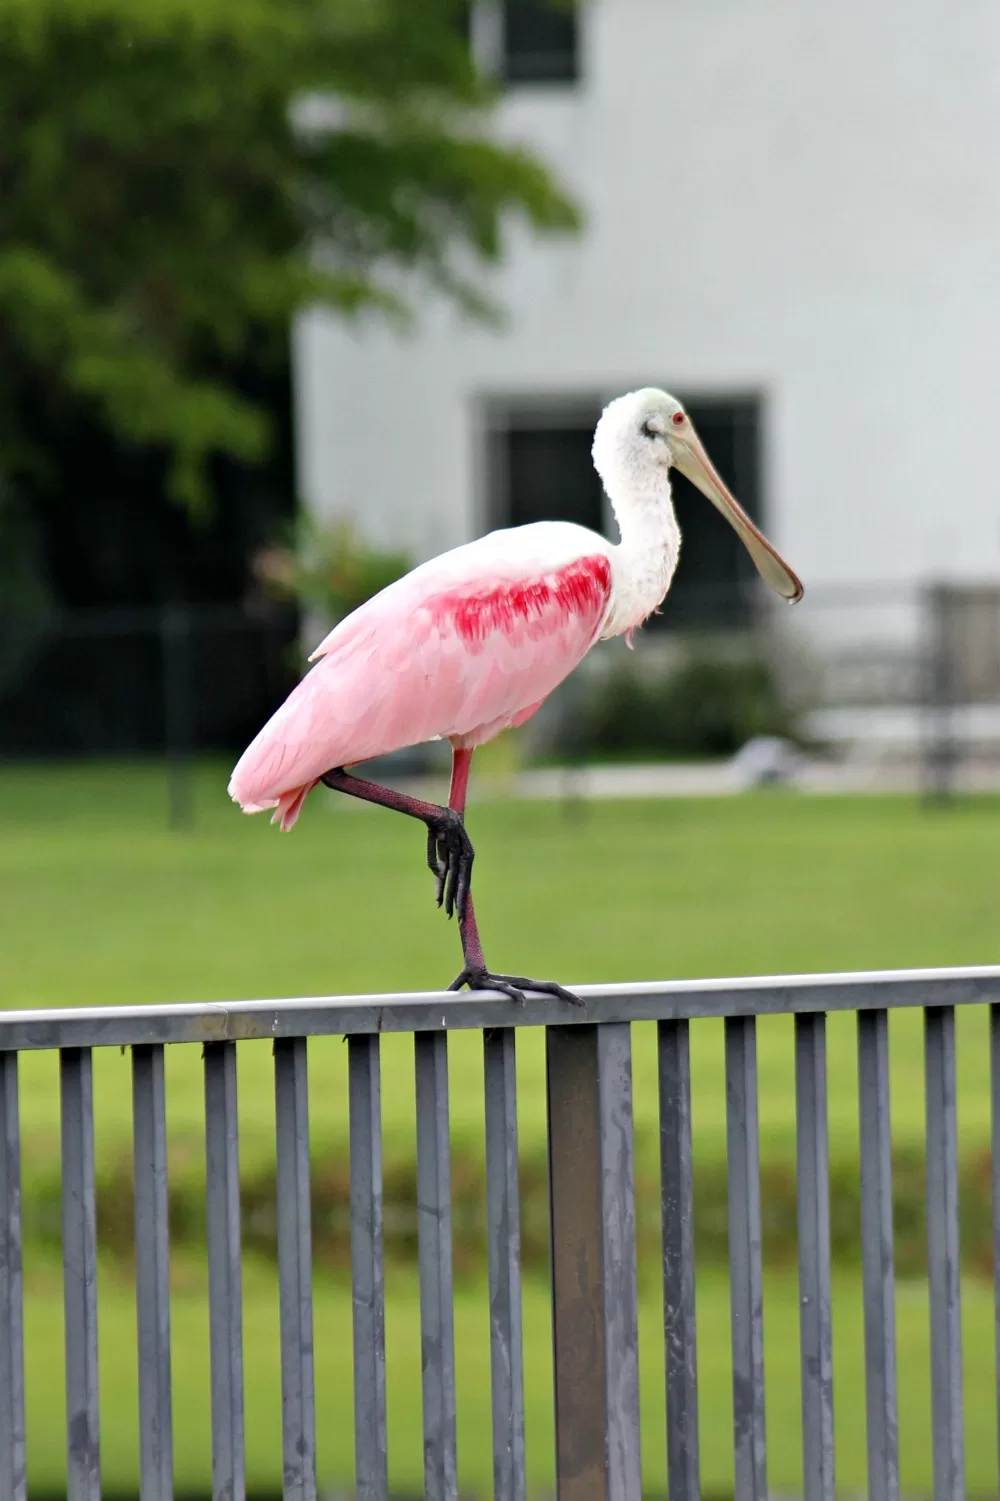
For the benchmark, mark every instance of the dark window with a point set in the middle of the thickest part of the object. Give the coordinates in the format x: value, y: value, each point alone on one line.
x: 540, y: 43
x: 712, y: 583
x: 540, y: 469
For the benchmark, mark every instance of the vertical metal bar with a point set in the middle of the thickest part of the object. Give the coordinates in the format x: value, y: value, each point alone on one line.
x: 594, y: 1300
x: 995, y: 1144
x: 13, y: 1478
x: 746, y: 1286
x: 178, y: 712
x: 298, y: 1403
x: 576, y: 1236
x: 152, y: 1274
x: 815, y: 1326
x: 437, y: 1326
x: 940, y: 748
x: 677, y: 1216
x: 621, y: 1290
x: 487, y: 30
x: 225, y: 1303
x: 942, y: 1254
x: 371, y: 1480
x: 877, y: 1256
x: 504, y: 1256
x: 79, y: 1217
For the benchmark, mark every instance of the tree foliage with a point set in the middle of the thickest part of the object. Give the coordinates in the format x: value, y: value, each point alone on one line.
x: 178, y: 177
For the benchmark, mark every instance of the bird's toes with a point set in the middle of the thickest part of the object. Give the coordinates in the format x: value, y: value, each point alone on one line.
x: 543, y: 987
x: 482, y: 979
x: 462, y: 882
x: 453, y: 897
x: 462, y: 895
x: 508, y: 990
x: 436, y: 864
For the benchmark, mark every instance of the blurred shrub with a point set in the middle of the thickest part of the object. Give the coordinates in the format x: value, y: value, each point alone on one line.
x: 705, y: 704
x: 329, y: 570
x: 331, y: 1207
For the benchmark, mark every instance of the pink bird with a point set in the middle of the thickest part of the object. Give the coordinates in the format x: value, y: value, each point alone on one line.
x: 473, y: 642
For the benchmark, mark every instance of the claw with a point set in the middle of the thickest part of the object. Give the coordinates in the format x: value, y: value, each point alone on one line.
x: 449, y: 888
x: 433, y: 854
x: 436, y: 863
x: 450, y: 856
x: 464, y: 883
x: 545, y: 987
x: 481, y: 979
x: 512, y: 985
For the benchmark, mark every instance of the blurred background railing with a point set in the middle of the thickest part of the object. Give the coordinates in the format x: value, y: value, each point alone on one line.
x: 141, y: 681
x: 893, y: 683
x: 173, y: 682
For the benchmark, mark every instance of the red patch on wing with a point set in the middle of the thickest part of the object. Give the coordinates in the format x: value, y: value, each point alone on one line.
x: 580, y: 589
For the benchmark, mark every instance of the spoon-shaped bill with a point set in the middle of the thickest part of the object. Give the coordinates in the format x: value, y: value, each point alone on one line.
x: 692, y: 460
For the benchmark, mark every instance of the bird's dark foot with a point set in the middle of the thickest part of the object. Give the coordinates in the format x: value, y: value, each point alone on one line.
x: 512, y: 985
x: 450, y: 856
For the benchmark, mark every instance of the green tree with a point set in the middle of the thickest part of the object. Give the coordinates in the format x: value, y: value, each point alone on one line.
x: 178, y: 177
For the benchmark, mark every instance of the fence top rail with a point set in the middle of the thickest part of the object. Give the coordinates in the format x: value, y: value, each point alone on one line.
x: 419, y: 1011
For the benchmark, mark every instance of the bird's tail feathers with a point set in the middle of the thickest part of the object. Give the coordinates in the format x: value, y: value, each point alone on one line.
x: 289, y: 806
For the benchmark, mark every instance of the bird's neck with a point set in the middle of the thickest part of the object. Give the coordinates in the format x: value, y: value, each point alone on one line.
x: 643, y: 563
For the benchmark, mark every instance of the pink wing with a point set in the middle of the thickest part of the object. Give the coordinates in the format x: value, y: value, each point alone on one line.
x: 460, y: 648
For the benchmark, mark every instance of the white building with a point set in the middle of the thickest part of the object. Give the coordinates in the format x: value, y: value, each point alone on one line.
x: 793, y: 222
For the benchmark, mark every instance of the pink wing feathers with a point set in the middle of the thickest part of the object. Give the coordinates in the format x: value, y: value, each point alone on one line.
x: 460, y: 648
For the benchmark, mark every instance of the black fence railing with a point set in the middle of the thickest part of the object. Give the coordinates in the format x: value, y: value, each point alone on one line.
x: 592, y: 1230
x: 171, y: 681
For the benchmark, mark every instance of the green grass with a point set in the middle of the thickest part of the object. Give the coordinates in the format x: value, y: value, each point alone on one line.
x: 334, y: 1385
x: 102, y: 905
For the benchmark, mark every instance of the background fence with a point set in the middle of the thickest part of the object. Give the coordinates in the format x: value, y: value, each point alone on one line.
x: 899, y: 674
x: 136, y: 682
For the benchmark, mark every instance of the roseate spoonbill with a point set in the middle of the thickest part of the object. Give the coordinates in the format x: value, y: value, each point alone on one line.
x: 474, y: 641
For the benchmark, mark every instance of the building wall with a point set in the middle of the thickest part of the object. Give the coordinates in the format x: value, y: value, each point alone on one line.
x: 781, y: 198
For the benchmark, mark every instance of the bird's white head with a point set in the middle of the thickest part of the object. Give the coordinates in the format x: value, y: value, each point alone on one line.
x: 637, y: 440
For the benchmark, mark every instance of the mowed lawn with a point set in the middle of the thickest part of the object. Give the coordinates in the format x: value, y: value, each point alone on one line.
x: 334, y: 1386
x: 103, y: 905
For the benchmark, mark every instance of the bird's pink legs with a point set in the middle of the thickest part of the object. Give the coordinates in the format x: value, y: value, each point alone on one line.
x: 450, y: 856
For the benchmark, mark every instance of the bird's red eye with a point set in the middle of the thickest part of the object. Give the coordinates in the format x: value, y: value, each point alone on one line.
x: 678, y: 419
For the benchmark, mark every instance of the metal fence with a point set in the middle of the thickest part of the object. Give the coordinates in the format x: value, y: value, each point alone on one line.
x: 592, y: 1229
x: 122, y: 682
x: 905, y: 673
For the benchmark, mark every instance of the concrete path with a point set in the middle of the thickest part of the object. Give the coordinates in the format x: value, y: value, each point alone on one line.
x: 697, y: 779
